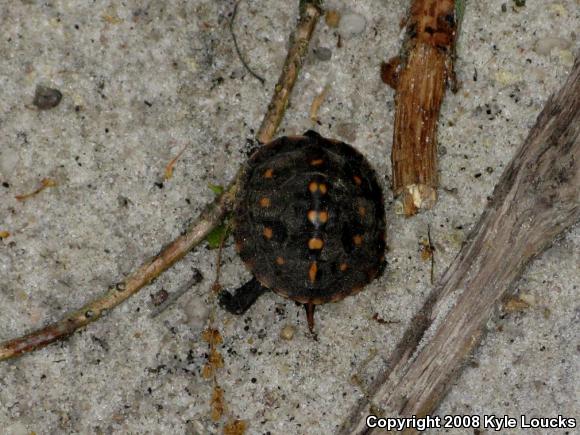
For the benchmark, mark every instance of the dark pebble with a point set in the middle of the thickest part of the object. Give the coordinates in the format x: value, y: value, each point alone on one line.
x: 323, y: 53
x: 159, y: 297
x: 46, y: 98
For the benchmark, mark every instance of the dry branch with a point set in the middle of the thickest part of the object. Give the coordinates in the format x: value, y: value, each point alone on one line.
x: 309, y: 14
x: 124, y: 289
x: 208, y: 220
x: 536, y: 199
x: 419, y: 75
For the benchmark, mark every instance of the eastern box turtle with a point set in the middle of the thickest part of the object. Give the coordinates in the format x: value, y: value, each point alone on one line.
x: 309, y: 222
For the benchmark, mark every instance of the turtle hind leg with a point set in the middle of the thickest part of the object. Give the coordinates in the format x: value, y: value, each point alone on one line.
x: 243, y: 297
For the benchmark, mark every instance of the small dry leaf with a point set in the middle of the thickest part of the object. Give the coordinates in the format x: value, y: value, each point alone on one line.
x: 48, y: 182
x: 390, y: 72
x: 44, y: 183
x: 4, y: 234
x: 212, y: 336
x: 332, y: 18
x: 215, y: 359
x: 235, y: 427
x: 217, y: 403
x: 515, y: 304
x: 169, y: 168
x: 207, y: 371
x: 112, y: 19
x: 426, y: 250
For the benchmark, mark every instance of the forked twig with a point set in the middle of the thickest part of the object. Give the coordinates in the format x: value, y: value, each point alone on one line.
x: 209, y: 218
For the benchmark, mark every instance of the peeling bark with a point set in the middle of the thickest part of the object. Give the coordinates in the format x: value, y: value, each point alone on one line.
x: 419, y: 76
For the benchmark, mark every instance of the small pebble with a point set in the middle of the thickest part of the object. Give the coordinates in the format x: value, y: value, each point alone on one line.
x: 46, y: 98
x: 159, y: 297
x: 196, y: 312
x: 287, y: 332
x: 323, y: 53
x: 332, y: 18
x: 352, y: 25
x: 347, y: 131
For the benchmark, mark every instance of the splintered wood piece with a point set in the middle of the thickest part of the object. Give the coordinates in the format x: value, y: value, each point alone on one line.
x: 535, y: 201
x: 419, y: 76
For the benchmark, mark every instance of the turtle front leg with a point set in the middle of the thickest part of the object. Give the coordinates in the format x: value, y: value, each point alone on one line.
x: 243, y: 297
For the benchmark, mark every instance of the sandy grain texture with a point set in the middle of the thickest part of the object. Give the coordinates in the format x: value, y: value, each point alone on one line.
x: 139, y: 82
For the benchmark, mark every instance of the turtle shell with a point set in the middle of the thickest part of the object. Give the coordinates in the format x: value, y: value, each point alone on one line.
x: 309, y: 219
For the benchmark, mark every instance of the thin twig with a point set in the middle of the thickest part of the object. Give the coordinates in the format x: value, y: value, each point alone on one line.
x: 173, y: 297
x: 123, y: 290
x: 432, y: 251
x: 208, y: 220
x: 309, y: 13
x: 252, y: 73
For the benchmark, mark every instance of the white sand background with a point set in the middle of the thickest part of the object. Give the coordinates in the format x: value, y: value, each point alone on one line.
x: 142, y: 80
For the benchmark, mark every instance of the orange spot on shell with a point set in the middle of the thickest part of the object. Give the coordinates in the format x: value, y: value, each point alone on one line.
x: 268, y: 173
x: 357, y: 240
x: 362, y: 211
x: 316, y: 162
x: 265, y: 202
x: 343, y: 267
x: 316, y: 217
x: 268, y: 233
x: 315, y: 243
x: 357, y: 180
x: 312, y: 272
x: 313, y: 186
x: 312, y: 216
x: 280, y: 261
